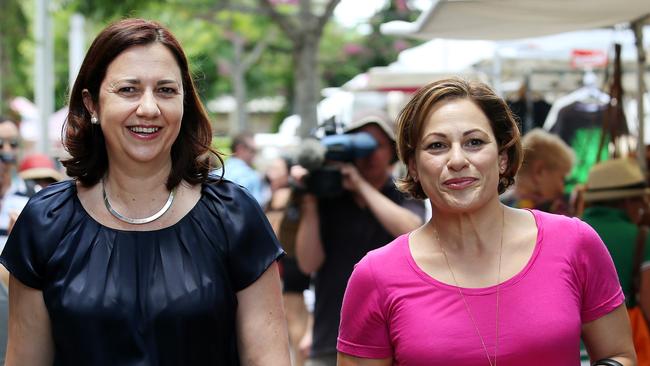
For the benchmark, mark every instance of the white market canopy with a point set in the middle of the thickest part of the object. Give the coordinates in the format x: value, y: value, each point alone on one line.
x: 514, y: 19
x: 517, y: 19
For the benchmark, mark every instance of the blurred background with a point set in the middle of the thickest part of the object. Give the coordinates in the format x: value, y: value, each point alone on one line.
x: 280, y: 68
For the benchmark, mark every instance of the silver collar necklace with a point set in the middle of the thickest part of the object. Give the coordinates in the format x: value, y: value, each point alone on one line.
x: 144, y: 220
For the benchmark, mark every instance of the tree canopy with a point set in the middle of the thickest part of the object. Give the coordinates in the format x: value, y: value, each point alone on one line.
x: 207, y: 30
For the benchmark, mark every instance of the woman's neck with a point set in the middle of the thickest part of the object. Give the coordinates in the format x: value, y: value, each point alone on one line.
x: 462, y: 230
x: 143, y: 181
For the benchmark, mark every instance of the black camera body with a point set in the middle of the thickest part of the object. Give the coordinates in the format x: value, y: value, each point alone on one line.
x: 324, y: 178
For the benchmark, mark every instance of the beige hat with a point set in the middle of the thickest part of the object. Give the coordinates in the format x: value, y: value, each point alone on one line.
x: 378, y: 117
x: 39, y: 166
x: 616, y: 178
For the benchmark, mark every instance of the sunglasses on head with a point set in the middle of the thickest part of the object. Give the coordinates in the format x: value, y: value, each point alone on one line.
x: 14, y: 143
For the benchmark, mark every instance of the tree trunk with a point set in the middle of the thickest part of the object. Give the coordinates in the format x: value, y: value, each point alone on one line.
x: 306, y: 85
x: 305, y: 34
x: 239, y: 86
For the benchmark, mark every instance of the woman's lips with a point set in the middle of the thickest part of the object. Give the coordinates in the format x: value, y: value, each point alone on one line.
x: 145, y: 132
x: 459, y: 183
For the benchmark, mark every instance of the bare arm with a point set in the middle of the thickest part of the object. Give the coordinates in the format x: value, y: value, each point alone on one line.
x: 644, y: 293
x: 396, y: 219
x: 309, y: 247
x: 343, y: 359
x: 30, y: 336
x: 610, y: 337
x: 262, y: 336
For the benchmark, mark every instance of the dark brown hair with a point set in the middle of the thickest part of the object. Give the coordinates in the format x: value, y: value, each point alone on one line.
x: 84, y: 141
x: 414, y: 115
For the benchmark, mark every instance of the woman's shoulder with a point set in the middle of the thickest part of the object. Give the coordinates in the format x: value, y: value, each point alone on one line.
x: 49, y: 214
x: 553, y: 221
x: 226, y: 191
x: 53, y: 205
x: 570, y: 234
x: 388, y: 257
x: 54, y: 196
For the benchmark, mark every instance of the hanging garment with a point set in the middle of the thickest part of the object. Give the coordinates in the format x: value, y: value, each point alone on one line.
x: 540, y: 109
x: 579, y: 125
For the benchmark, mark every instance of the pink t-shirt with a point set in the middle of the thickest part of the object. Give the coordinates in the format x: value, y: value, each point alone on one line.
x: 394, y: 309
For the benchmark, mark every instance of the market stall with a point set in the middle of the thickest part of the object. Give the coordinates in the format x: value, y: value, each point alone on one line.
x: 517, y: 19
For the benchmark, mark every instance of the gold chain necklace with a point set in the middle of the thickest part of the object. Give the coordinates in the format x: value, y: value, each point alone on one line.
x: 496, y: 321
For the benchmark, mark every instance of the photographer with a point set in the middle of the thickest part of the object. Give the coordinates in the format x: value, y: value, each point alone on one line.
x: 336, y: 232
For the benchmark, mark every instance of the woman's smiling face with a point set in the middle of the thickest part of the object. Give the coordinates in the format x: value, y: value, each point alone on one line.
x: 457, y: 160
x: 140, y: 104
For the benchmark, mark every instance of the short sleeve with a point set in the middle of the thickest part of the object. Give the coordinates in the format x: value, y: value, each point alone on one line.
x: 363, y: 331
x: 251, y: 244
x: 35, y: 235
x: 602, y: 291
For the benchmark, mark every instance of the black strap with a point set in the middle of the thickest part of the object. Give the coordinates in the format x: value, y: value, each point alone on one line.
x: 606, y: 362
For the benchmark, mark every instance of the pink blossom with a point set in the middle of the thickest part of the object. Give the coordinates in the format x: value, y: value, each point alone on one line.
x: 352, y: 49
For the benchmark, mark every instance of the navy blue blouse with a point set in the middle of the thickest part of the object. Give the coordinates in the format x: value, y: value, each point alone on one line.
x: 161, y: 297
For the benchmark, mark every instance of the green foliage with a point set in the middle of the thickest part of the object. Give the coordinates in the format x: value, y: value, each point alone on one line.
x: 338, y: 66
x: 204, y: 29
x: 13, y: 37
x: 222, y: 144
x: 345, y: 55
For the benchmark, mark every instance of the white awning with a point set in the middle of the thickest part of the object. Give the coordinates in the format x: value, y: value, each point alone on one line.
x: 513, y: 19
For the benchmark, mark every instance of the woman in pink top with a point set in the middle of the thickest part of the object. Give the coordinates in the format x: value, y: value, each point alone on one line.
x: 481, y: 283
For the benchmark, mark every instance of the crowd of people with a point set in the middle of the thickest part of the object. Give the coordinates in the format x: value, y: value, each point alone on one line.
x: 152, y: 248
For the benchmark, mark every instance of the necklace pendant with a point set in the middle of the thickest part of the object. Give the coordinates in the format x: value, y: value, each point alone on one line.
x: 138, y: 221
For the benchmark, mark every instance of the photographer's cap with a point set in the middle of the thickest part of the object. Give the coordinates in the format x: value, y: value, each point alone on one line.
x: 378, y: 117
x: 614, y: 179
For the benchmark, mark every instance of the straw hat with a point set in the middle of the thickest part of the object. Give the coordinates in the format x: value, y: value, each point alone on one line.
x: 38, y: 166
x: 616, y: 178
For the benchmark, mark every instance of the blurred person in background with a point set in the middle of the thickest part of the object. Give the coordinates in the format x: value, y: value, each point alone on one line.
x: 283, y: 212
x: 617, y: 207
x: 142, y: 258
x: 539, y: 183
x: 13, y: 193
x: 13, y: 198
x: 35, y: 171
x: 38, y: 171
x: 336, y: 232
x: 239, y: 167
x: 480, y: 283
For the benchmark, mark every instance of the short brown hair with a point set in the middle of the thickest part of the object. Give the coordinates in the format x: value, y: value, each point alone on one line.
x: 414, y: 115
x: 84, y: 141
x: 540, y: 145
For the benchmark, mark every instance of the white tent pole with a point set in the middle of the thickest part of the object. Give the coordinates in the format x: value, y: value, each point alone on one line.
x: 76, y: 47
x: 44, y: 71
x: 638, y: 33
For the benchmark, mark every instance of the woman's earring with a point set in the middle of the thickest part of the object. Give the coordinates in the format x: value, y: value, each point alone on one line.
x: 94, y: 120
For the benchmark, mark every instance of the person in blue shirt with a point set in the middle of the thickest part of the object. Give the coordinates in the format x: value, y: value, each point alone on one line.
x: 239, y: 167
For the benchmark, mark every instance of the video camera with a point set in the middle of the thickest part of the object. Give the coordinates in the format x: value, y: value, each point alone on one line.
x: 325, y: 179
